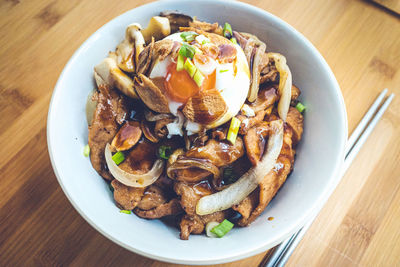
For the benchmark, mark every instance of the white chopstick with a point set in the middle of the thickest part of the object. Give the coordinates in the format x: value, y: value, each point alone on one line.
x: 364, y: 121
x: 279, y: 255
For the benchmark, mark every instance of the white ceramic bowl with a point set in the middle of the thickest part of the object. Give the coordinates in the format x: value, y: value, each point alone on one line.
x: 317, y: 166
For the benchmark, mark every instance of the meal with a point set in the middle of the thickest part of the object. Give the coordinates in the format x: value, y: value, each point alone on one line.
x: 193, y: 122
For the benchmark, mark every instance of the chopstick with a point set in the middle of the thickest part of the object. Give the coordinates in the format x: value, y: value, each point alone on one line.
x: 279, y: 255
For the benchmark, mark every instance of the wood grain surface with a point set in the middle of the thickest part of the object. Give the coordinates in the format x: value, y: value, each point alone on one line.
x: 360, y: 224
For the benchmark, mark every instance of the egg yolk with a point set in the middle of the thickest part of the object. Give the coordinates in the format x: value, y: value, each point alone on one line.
x: 180, y: 86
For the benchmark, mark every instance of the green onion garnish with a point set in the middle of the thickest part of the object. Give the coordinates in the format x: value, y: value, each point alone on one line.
x: 198, y: 78
x: 221, y: 71
x: 188, y: 36
x: 164, y: 152
x: 118, y: 157
x: 180, y: 62
x: 190, y: 67
x: 111, y: 188
x: 300, y: 107
x: 233, y: 40
x: 86, y: 151
x: 223, y: 228
x: 227, y: 31
x: 233, y: 130
x: 126, y: 211
x: 187, y: 51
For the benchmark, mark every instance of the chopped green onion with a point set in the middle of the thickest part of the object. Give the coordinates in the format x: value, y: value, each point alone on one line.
x: 111, y: 188
x: 190, y: 67
x: 221, y: 71
x: 164, y: 152
x: 223, y: 228
x: 233, y: 130
x: 180, y: 62
x: 300, y: 107
x: 118, y: 157
x: 205, y: 41
x: 233, y: 40
x: 86, y: 151
x: 227, y: 31
x: 126, y: 211
x: 187, y: 51
x: 198, y: 78
x: 188, y: 36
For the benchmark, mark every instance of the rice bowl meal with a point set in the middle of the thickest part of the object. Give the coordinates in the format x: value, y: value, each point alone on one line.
x: 195, y: 122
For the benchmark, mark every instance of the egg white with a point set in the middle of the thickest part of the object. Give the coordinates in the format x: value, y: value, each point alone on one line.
x: 233, y: 88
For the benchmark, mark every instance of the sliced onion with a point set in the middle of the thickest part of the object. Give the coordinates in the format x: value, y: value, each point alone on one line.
x: 130, y: 179
x: 150, y: 116
x: 188, y: 163
x: 239, y: 190
x: 285, y: 84
x: 209, y: 227
x: 205, y: 64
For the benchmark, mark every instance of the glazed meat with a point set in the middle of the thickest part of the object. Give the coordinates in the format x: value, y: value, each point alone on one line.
x: 191, y: 193
x: 252, y: 206
x: 110, y: 113
x: 165, y: 209
x: 126, y: 197
x: 255, y: 141
x: 295, y: 121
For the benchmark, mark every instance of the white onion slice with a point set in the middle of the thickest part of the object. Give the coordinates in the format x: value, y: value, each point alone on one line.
x: 209, y: 227
x: 235, y: 193
x: 130, y: 179
x: 285, y: 84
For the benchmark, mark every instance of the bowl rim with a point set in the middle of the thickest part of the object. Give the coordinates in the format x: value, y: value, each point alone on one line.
x: 335, y: 176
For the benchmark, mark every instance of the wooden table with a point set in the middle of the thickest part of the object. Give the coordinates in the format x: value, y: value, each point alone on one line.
x: 360, y: 225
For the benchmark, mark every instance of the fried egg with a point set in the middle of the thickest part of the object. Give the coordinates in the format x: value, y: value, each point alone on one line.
x: 230, y: 79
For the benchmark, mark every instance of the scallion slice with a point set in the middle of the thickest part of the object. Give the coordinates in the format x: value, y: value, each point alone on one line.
x: 164, y: 152
x: 187, y: 51
x: 180, y: 62
x: 198, y: 78
x: 118, y: 157
x: 300, y: 107
x: 233, y: 130
x: 233, y: 40
x: 86, y: 151
x: 223, y: 228
x: 227, y: 31
x: 125, y: 211
x: 190, y: 67
x: 222, y: 71
x: 188, y: 36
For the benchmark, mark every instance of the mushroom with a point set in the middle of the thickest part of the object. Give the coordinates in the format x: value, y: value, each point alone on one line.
x: 176, y: 19
x: 127, y: 136
x: 108, y: 73
x: 151, y: 94
x: 136, y: 37
x: 127, y: 52
x: 158, y: 28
